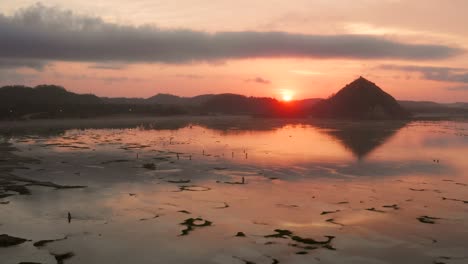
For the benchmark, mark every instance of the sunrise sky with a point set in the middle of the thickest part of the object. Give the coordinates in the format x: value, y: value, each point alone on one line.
x: 414, y: 49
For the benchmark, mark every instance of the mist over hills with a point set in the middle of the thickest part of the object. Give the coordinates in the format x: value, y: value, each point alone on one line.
x: 361, y: 99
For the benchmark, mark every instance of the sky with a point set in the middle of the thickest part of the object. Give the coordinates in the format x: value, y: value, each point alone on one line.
x: 413, y: 49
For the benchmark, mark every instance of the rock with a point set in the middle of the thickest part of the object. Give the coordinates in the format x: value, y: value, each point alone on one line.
x: 61, y: 257
x: 427, y: 219
x: 8, y: 241
x: 149, y: 166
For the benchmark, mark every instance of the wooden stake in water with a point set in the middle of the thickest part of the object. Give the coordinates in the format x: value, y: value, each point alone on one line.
x: 69, y: 217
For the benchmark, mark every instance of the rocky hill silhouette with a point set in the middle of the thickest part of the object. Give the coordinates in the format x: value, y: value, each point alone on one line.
x: 360, y: 99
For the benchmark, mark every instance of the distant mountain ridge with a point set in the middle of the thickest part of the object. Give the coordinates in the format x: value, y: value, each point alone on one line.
x: 177, y: 100
x: 426, y: 107
x: 161, y: 98
x: 43, y: 94
x: 361, y: 99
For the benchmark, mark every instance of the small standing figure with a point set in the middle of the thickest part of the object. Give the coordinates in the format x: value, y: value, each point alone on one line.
x: 243, y: 180
x: 69, y: 217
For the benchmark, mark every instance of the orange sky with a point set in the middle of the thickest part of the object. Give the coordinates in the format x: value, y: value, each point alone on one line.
x: 253, y: 66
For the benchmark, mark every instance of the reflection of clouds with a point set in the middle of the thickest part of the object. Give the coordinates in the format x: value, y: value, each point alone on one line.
x: 455, y: 142
x: 394, y: 168
x: 311, y: 184
x: 376, y: 169
x: 285, y: 149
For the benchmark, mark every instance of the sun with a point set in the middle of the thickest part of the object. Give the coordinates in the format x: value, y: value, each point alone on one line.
x: 286, y: 95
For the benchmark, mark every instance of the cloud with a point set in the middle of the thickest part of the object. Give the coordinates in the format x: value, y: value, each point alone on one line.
x: 108, y: 66
x: 258, y: 80
x: 445, y: 74
x: 22, y: 63
x: 189, y: 76
x: 458, y: 88
x: 9, y: 76
x: 49, y: 33
x: 117, y: 79
x: 87, y: 77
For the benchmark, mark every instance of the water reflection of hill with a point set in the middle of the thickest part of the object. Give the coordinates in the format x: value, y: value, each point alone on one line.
x: 360, y: 138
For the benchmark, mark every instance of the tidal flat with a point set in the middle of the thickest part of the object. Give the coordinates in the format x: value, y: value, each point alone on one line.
x: 227, y: 189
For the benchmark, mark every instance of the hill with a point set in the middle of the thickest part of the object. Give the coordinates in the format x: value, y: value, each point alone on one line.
x: 51, y: 101
x: 43, y: 94
x: 124, y: 100
x: 256, y: 106
x: 169, y: 99
x: 361, y: 99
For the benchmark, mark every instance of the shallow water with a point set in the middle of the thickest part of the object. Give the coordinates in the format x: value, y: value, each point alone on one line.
x: 387, y: 192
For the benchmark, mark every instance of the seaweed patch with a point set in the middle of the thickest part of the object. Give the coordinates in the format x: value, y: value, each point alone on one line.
x: 372, y: 209
x: 192, y: 223
x: 8, y: 241
x: 42, y: 243
x: 154, y: 217
x: 427, y: 219
x: 193, y: 188
x: 329, y: 212
x: 61, y: 257
x: 309, y: 242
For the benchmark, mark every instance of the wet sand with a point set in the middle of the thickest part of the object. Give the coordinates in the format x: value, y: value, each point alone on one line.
x: 234, y: 190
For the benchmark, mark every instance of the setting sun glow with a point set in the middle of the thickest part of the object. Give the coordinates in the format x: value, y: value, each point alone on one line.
x: 286, y: 95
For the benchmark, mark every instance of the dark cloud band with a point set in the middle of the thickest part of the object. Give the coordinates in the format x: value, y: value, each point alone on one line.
x: 43, y: 33
x: 444, y: 74
x: 21, y: 63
